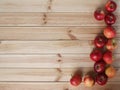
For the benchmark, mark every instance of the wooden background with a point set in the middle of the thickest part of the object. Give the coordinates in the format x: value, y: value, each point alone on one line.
x: 43, y: 42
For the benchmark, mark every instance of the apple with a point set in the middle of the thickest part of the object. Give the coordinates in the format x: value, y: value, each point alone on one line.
x: 89, y: 81
x: 110, y: 71
x: 101, y: 79
x: 107, y: 57
x: 96, y: 55
x: 111, y: 44
x: 110, y: 6
x: 100, y: 41
x: 76, y: 80
x: 99, y: 66
x: 110, y: 19
x: 109, y: 32
x: 99, y: 14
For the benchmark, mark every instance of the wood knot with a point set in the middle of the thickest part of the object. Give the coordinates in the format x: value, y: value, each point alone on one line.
x: 59, y: 70
x: 69, y: 31
x: 66, y: 89
x: 72, y: 37
x: 59, y: 60
x: 59, y: 55
x: 44, y: 15
x: 44, y: 18
x: 50, y: 4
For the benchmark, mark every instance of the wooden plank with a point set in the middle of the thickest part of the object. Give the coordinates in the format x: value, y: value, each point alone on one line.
x: 56, y: 74
x: 54, y: 86
x: 50, y: 61
x: 51, y: 33
x: 51, y: 5
x: 45, y: 47
x: 51, y: 19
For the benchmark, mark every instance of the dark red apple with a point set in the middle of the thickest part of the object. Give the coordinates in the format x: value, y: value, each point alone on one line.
x: 100, y: 41
x: 109, y: 32
x: 110, y: 6
x: 99, y: 14
x: 96, y: 55
x: 99, y: 66
x: 76, y: 80
x: 108, y: 57
x: 89, y: 81
x: 101, y: 79
x: 110, y: 19
x: 111, y: 44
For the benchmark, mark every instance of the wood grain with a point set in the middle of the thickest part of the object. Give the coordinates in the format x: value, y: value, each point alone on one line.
x: 53, y: 86
x: 44, y: 42
x: 51, y: 5
x: 47, y: 47
x: 51, y: 33
x: 56, y: 74
x: 51, y: 19
x: 50, y: 61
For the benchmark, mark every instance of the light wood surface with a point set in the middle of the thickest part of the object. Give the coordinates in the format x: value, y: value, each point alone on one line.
x: 50, y: 61
x: 51, y: 33
x: 51, y: 19
x: 47, y: 47
x: 53, y: 86
x: 44, y: 42
x: 51, y: 5
x: 48, y: 75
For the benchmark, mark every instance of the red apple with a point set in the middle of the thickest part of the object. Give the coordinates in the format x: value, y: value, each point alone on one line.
x: 110, y: 6
x: 100, y: 41
x: 107, y: 57
x: 110, y: 19
x: 111, y: 44
x: 76, y: 80
x: 101, y: 79
x: 99, y: 66
x: 89, y: 81
x: 99, y: 14
x: 110, y: 72
x: 109, y: 32
x: 96, y: 55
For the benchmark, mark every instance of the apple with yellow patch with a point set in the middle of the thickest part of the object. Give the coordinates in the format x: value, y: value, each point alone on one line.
x: 110, y: 71
x: 89, y: 81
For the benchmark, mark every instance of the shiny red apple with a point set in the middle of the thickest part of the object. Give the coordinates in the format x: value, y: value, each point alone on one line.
x: 101, y: 79
x: 96, y: 55
x: 111, y: 6
x: 99, y: 66
x: 111, y: 44
x: 89, y: 81
x: 109, y: 32
x: 100, y: 41
x: 99, y: 14
x: 110, y: 19
x: 108, y: 57
x: 76, y: 80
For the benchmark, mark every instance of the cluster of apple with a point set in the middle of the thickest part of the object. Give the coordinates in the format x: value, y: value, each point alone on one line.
x: 104, y: 45
x: 102, y: 54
